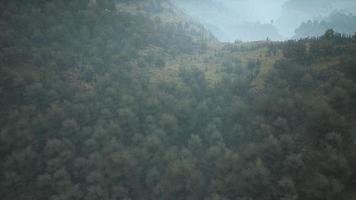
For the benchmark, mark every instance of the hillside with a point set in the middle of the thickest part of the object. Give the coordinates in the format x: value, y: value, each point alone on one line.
x: 167, y: 13
x: 132, y: 100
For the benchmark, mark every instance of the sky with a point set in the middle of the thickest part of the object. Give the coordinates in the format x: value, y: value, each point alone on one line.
x: 250, y: 20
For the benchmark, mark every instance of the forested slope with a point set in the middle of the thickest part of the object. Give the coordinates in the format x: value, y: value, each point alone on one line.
x: 101, y: 104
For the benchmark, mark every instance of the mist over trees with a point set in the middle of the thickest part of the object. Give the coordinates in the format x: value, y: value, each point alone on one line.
x: 235, y: 20
x: 342, y: 23
x: 297, y: 12
x: 252, y: 20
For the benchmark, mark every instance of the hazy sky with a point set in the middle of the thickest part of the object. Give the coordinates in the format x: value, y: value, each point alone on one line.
x: 250, y: 20
x: 255, y: 10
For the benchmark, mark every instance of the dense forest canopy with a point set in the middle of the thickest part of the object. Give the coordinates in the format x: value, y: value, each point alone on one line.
x: 134, y: 100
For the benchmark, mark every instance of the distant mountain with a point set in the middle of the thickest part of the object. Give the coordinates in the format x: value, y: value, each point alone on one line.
x: 320, y: 7
x: 256, y: 31
x: 340, y: 22
x: 229, y: 21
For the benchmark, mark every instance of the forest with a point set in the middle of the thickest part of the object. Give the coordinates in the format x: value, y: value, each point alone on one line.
x: 128, y: 100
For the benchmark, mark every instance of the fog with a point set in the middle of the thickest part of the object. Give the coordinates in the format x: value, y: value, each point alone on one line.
x: 250, y: 20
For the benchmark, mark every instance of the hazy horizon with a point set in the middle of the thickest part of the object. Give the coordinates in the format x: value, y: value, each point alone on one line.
x: 250, y: 20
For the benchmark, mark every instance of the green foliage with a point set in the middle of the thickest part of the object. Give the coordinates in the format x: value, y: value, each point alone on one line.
x: 91, y: 108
